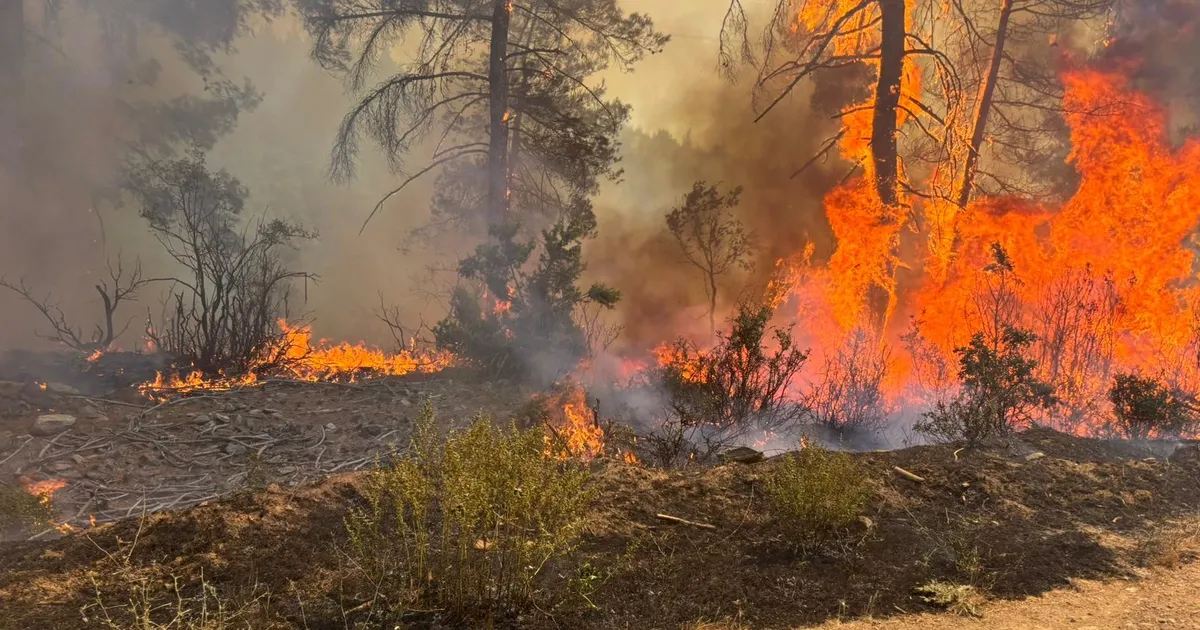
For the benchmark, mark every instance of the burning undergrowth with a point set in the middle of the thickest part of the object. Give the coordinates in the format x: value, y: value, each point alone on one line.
x: 294, y: 356
x: 1099, y: 286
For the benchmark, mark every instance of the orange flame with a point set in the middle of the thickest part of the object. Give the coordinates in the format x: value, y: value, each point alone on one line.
x: 294, y: 356
x: 44, y: 490
x: 1107, y: 280
x: 95, y: 355
x: 575, y: 425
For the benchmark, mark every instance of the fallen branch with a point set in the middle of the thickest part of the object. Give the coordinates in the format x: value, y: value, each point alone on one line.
x: 684, y: 521
x: 907, y: 475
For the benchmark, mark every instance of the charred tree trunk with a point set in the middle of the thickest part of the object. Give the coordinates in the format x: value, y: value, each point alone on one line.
x: 884, y: 154
x: 498, y: 95
x: 887, y: 100
x: 983, y: 105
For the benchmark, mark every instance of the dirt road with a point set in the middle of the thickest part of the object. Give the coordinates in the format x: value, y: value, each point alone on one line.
x: 1165, y: 599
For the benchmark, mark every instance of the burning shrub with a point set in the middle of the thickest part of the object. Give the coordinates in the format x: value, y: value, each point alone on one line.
x: 999, y: 390
x: 533, y: 329
x: 817, y: 491
x: 222, y: 311
x: 21, y: 510
x: 716, y: 397
x: 1145, y: 408
x: 849, y: 398
x: 468, y: 522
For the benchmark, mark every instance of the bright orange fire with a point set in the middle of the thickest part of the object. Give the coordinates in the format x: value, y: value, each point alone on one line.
x: 294, y: 356
x: 44, y: 490
x: 1107, y: 281
x: 95, y: 355
x: 574, y: 432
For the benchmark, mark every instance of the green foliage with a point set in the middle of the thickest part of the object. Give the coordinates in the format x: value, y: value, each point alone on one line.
x: 1144, y: 408
x: 1000, y: 390
x: 817, y: 491
x: 539, y: 329
x: 739, y: 380
x: 21, y: 511
x: 711, y: 238
x: 467, y: 523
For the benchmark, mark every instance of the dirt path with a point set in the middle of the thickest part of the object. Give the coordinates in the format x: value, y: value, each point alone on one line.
x: 1165, y: 599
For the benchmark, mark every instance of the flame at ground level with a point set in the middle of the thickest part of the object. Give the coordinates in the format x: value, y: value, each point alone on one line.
x: 294, y: 356
x: 1108, y: 280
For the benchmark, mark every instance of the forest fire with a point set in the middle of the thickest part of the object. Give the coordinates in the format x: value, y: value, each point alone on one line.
x: 573, y: 428
x: 1106, y: 281
x: 44, y: 490
x: 294, y: 356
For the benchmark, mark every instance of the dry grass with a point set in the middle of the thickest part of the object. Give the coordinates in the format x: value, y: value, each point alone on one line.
x: 1171, y: 546
x: 150, y: 606
x: 21, y: 511
x: 960, y: 599
x: 726, y: 624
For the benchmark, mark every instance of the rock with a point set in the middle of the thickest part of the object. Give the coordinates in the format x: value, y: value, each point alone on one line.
x: 92, y: 413
x: 61, y: 388
x: 222, y: 417
x: 1186, y: 454
x: 287, y: 470
x: 742, y: 455
x: 866, y: 522
x: 202, y: 419
x: 331, y: 427
x: 52, y: 423
x: 60, y: 466
x: 1034, y: 456
x: 405, y: 402
x: 234, y: 449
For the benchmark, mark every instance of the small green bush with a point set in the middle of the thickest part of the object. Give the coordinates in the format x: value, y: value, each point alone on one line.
x: 817, y: 491
x: 21, y: 511
x: 470, y: 522
x: 1000, y: 391
x: 1144, y: 408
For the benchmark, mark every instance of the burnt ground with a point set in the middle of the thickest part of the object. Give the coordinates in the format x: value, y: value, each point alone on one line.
x: 1017, y: 519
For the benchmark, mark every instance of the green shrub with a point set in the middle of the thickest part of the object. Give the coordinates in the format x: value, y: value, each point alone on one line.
x: 1145, y: 408
x: 817, y: 491
x: 538, y: 333
x: 1000, y: 391
x: 713, y: 398
x: 21, y: 511
x: 470, y: 522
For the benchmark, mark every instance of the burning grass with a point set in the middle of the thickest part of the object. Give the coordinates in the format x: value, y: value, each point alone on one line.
x: 294, y: 356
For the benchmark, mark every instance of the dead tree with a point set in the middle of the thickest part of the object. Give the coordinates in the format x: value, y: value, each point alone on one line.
x: 222, y: 311
x: 115, y: 290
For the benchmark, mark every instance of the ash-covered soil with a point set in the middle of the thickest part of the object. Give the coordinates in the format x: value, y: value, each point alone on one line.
x: 124, y: 455
x: 1014, y: 519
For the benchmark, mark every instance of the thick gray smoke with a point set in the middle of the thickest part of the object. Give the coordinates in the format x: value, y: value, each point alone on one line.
x: 96, y: 99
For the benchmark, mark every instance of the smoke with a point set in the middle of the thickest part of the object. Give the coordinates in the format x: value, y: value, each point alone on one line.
x: 1154, y: 41
x: 723, y: 145
x: 96, y: 99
